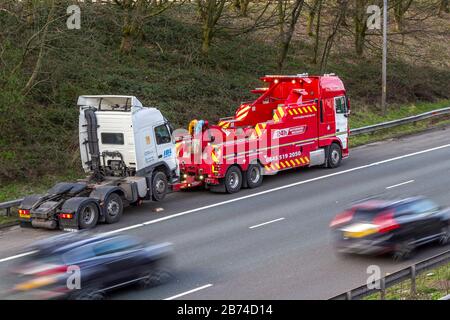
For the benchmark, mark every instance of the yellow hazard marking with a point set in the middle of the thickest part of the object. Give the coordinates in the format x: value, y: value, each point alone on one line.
x: 305, y: 110
x: 281, y: 112
x: 243, y: 110
x: 277, y: 165
x: 267, y: 168
x: 290, y: 112
x: 241, y: 117
x: 300, y: 110
x: 287, y: 164
x: 298, y: 162
x: 258, y: 130
x: 302, y: 160
x: 307, y: 160
x: 292, y: 162
x: 275, y: 117
x: 214, y: 158
x: 295, y: 111
x: 314, y: 108
x: 282, y: 165
x: 309, y: 108
x: 272, y: 167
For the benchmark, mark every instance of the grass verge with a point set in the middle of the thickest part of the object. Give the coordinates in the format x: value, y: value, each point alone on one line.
x: 430, y: 285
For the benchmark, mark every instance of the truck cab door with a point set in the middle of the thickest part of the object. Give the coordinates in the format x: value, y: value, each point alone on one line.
x: 165, y: 146
x: 341, y: 116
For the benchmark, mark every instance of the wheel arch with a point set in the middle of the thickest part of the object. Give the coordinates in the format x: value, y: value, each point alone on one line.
x: 73, y: 205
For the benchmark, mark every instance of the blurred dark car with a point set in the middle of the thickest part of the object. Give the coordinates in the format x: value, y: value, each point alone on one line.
x: 79, y: 266
x: 397, y: 227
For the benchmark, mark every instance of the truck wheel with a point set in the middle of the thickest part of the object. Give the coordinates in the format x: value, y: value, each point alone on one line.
x: 334, y: 156
x: 254, y: 176
x: 113, y: 208
x: 233, y: 180
x: 159, y: 186
x: 87, y: 215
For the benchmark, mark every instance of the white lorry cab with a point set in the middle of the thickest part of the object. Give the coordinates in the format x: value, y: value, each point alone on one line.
x: 129, y: 153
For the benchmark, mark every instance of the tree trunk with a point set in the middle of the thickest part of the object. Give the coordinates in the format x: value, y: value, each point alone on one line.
x: 40, y: 58
x: 400, y: 8
x: 207, y: 37
x: 311, y: 16
x: 286, y: 35
x: 317, y: 36
x: 210, y: 12
x: 342, y: 11
x: 359, y: 18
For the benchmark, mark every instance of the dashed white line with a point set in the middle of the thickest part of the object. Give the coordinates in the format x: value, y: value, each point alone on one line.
x: 400, y: 184
x: 265, y: 223
x: 271, y: 190
x: 188, y: 292
x: 17, y: 256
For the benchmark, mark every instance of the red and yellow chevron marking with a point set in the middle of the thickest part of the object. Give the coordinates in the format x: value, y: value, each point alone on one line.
x: 279, y: 114
x: 259, y: 128
x: 224, y: 124
x: 242, y: 112
x: 294, y: 111
x: 292, y: 163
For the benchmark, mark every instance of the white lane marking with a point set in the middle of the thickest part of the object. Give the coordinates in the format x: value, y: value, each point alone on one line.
x: 17, y: 256
x: 263, y: 224
x: 272, y: 190
x: 400, y: 184
x: 188, y: 292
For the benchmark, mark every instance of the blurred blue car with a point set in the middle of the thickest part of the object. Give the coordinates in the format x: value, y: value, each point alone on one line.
x: 79, y: 266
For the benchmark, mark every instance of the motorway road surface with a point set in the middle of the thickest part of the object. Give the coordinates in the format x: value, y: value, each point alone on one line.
x: 274, y: 242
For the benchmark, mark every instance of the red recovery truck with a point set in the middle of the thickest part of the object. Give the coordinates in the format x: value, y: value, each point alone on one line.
x: 297, y: 121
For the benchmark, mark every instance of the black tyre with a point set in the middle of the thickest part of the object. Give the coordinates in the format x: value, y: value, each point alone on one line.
x: 254, y: 176
x: 88, y: 215
x: 403, y: 250
x: 90, y: 293
x: 113, y: 208
x: 160, y: 186
x: 334, y: 156
x: 445, y: 237
x: 233, y: 180
x: 155, y: 277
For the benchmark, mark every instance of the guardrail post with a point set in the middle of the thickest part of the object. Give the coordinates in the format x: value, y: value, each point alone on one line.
x: 383, y: 288
x: 349, y: 295
x: 413, y: 280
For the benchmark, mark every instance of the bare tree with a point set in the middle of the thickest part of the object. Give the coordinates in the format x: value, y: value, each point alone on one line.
x: 359, y: 20
x: 400, y: 8
x: 317, y: 35
x: 289, y: 12
x: 341, y: 11
x: 242, y: 6
x: 313, y: 10
x: 43, y: 38
x: 135, y: 14
x: 210, y: 12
